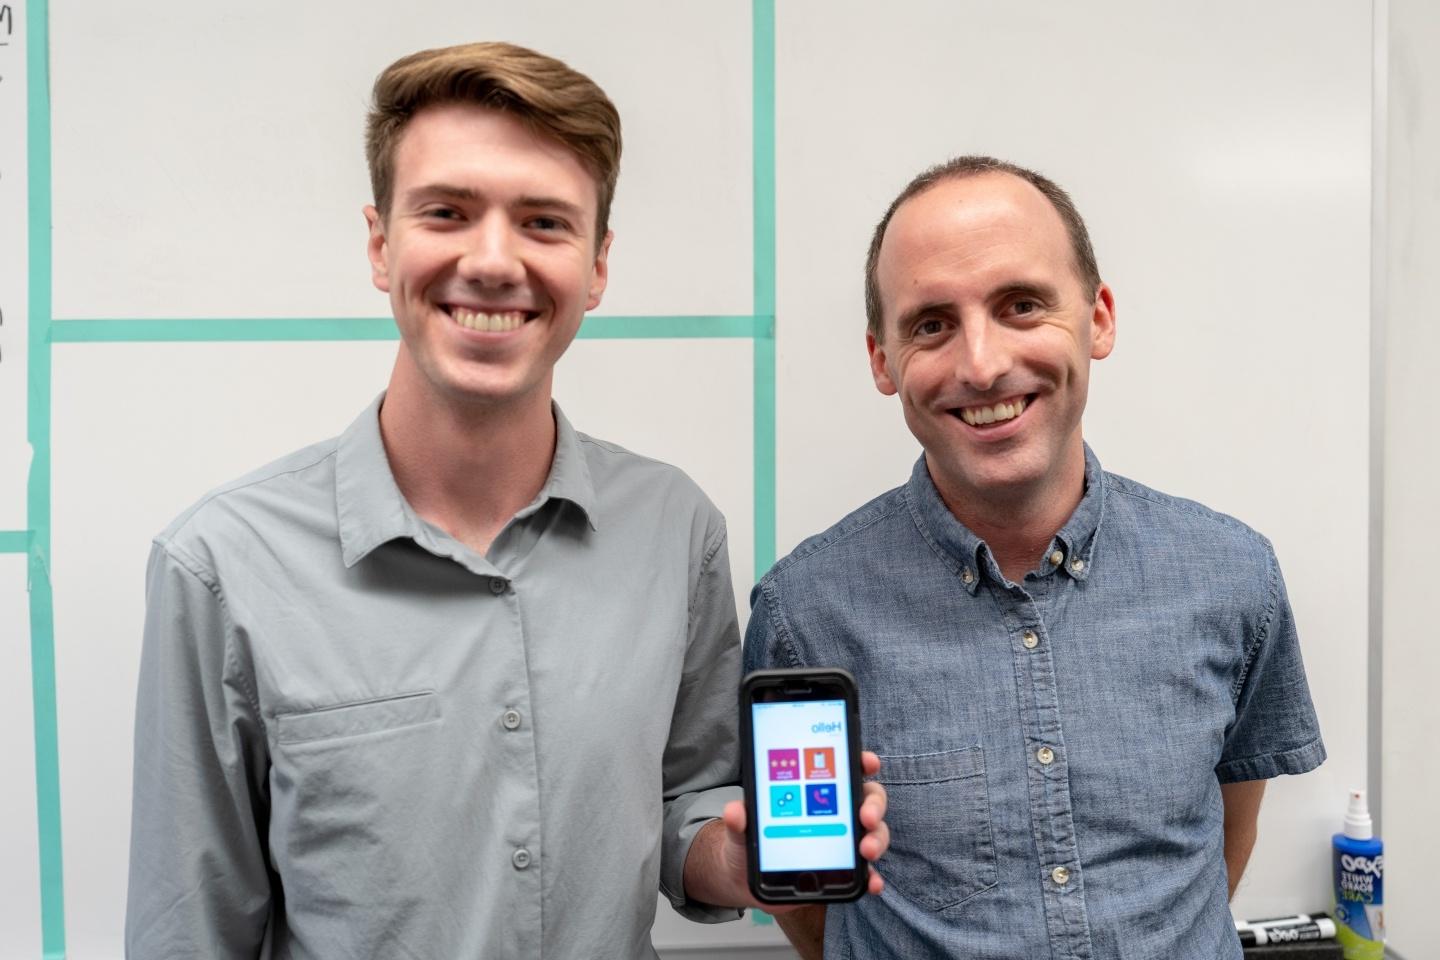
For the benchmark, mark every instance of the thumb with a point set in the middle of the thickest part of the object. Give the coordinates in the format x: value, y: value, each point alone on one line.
x: 734, y: 817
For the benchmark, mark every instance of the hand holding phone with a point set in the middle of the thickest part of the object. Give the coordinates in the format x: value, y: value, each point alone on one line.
x: 800, y: 741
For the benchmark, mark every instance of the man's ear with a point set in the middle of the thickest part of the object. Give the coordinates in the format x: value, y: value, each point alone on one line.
x: 1102, y: 323
x: 376, y: 250
x: 878, y: 369
x: 601, y: 274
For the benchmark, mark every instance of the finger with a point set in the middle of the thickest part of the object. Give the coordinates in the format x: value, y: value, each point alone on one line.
x: 875, y: 801
x: 876, y: 842
x: 870, y: 763
x: 877, y: 882
x: 734, y: 817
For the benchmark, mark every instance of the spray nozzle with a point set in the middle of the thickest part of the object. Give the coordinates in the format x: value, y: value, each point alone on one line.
x: 1357, y: 817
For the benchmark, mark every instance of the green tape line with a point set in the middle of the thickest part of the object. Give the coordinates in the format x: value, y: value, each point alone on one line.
x: 14, y: 541
x: 763, y: 145
x: 42, y: 619
x: 375, y: 328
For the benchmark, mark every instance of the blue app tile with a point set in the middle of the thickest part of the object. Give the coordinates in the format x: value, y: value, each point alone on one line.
x: 820, y: 800
x: 785, y: 800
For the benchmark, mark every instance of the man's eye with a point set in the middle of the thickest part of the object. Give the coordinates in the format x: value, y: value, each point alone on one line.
x: 928, y: 328
x: 442, y: 213
x: 547, y: 223
x: 1023, y: 307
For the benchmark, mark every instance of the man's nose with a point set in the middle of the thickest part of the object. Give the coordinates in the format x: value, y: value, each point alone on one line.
x: 491, y: 256
x: 983, y: 356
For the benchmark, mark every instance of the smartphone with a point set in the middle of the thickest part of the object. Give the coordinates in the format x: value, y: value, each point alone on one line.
x: 800, y: 754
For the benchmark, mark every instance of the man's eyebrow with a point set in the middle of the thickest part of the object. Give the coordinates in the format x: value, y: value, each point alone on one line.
x: 1044, y: 292
x: 446, y: 191
x: 441, y: 190
x: 919, y: 310
x: 572, y: 210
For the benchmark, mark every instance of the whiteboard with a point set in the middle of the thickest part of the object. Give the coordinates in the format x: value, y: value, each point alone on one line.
x: 207, y: 164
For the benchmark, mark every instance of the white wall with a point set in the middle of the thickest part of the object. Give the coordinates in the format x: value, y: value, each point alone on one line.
x: 1411, y: 463
x: 207, y: 164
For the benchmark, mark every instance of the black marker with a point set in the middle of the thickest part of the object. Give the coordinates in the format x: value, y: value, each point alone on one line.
x: 1296, y: 929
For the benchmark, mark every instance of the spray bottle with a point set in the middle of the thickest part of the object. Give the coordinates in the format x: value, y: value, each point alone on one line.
x: 1359, y: 884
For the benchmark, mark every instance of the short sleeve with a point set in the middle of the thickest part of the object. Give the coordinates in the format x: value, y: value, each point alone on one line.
x: 765, y: 648
x: 1275, y: 730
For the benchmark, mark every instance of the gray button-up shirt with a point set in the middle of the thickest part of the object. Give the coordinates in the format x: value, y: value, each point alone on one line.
x: 1053, y: 749
x: 357, y: 738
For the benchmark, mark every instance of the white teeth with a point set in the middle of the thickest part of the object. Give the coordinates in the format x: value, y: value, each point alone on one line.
x: 975, y: 416
x: 488, y: 322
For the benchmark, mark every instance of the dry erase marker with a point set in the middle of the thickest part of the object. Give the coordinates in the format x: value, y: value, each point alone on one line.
x: 1289, y: 921
x: 1288, y: 930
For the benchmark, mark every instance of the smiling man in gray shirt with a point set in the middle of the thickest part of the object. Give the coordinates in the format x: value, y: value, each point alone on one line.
x: 460, y: 682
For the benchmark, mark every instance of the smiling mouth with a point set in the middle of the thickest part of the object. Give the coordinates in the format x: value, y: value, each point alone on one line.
x: 501, y: 321
x: 986, y: 415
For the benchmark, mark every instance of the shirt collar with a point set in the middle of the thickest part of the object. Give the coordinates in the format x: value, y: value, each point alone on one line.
x: 372, y: 510
x: 967, y: 555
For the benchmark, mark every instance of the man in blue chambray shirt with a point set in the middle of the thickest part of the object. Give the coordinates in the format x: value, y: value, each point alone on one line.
x: 1078, y: 685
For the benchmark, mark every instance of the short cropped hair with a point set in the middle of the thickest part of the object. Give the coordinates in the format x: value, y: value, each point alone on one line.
x: 961, y: 168
x: 547, y: 96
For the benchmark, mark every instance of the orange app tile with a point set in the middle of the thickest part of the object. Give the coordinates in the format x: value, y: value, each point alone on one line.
x: 820, y: 763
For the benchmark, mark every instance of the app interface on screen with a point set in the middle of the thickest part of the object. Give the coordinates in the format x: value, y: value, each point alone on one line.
x: 802, y: 764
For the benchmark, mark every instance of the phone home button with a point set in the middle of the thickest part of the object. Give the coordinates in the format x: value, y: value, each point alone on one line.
x: 807, y: 884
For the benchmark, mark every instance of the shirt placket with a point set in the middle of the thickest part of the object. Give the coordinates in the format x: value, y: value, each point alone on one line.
x: 1047, y: 770
x: 519, y: 822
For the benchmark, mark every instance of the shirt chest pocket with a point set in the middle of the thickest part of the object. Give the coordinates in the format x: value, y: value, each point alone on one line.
x: 941, y: 852
x: 358, y: 719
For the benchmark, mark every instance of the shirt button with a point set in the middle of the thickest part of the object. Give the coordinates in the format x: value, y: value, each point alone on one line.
x: 497, y: 585
x: 1060, y: 875
x: 511, y: 719
x: 1030, y: 640
x: 1077, y: 564
x: 1056, y: 557
x: 1046, y: 756
x: 521, y: 859
x: 967, y: 576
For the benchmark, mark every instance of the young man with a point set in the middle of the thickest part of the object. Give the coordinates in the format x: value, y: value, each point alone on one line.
x: 460, y: 682
x: 1078, y: 685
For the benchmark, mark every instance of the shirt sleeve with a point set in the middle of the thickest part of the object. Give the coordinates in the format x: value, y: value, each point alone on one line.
x: 199, y: 880
x: 766, y: 643
x: 1275, y: 730
x: 701, y: 765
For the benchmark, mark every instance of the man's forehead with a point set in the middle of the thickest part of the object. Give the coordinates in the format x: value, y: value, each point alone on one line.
x: 462, y: 136
x: 979, y: 201
x: 962, y: 220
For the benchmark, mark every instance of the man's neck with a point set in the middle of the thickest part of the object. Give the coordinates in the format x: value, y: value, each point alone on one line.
x: 1018, y: 524
x: 466, y: 469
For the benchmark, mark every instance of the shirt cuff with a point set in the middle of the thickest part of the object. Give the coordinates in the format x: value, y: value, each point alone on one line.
x: 1300, y: 760
x: 684, y: 816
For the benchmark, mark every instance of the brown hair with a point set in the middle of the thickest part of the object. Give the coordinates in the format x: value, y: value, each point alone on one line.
x: 547, y: 96
x: 959, y: 169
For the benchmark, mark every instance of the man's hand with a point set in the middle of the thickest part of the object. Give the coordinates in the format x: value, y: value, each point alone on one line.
x: 715, y: 869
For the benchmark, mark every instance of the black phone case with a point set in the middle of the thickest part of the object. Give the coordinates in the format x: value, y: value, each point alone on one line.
x: 788, y: 887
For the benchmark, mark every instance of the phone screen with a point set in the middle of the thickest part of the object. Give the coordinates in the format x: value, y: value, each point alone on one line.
x: 802, y: 779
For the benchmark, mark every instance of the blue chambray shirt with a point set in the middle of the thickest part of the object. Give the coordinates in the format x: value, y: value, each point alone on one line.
x: 1053, y: 749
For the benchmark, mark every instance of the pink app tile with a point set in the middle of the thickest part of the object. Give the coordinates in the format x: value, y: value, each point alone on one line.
x: 784, y: 764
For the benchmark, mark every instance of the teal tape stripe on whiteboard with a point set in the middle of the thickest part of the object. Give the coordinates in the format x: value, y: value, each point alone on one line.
x: 14, y: 541
x: 42, y: 620
x: 763, y: 138
x: 373, y: 328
